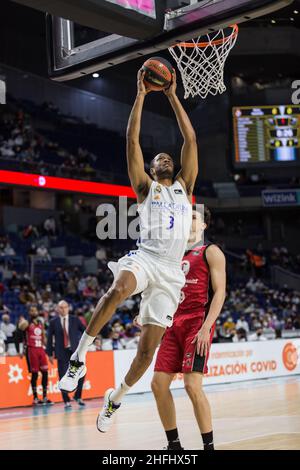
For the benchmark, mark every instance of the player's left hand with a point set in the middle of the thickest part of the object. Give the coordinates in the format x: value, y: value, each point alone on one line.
x: 202, y: 339
x: 171, y: 91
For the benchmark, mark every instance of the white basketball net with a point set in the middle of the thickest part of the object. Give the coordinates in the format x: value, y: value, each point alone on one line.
x: 201, y: 62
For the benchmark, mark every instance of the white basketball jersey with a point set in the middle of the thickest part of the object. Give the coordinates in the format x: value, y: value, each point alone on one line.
x: 165, y: 221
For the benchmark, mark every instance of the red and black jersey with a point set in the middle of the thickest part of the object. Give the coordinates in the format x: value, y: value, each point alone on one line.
x: 34, y: 335
x: 195, y: 295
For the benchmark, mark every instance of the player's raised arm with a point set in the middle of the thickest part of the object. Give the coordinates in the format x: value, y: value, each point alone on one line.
x: 139, y: 179
x: 189, y: 154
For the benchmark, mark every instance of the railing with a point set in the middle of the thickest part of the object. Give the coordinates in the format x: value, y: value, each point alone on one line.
x: 282, y: 277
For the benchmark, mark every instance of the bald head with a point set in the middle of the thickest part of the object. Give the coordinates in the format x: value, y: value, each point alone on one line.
x: 63, y: 308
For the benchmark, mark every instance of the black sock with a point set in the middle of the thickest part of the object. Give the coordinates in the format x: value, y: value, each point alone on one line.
x: 208, y: 441
x: 173, y: 439
x: 34, y: 377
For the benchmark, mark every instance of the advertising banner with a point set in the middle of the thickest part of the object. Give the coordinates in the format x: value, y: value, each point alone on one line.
x: 279, y: 198
x: 229, y: 362
x: 15, y: 388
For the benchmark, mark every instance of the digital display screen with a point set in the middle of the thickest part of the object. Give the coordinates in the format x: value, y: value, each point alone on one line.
x: 267, y: 134
x: 145, y: 7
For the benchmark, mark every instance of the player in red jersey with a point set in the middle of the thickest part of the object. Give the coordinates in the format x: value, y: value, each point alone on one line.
x: 34, y: 340
x: 185, y: 346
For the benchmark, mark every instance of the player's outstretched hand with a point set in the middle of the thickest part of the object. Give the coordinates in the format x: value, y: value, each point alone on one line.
x: 141, y: 87
x: 203, y: 341
x: 171, y: 91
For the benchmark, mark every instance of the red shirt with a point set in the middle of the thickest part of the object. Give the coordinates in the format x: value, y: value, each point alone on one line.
x: 195, y: 295
x: 34, y: 335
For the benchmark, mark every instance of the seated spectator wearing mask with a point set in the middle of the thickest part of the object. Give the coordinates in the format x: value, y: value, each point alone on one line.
x: 258, y: 336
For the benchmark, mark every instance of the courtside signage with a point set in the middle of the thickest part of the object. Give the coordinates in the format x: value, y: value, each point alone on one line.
x: 278, y: 198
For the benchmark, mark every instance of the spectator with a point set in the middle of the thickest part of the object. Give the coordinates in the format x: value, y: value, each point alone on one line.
x: 8, y: 250
x: 50, y: 226
x: 2, y: 344
x: 133, y: 343
x: 27, y: 297
x: 258, y: 336
x: 239, y: 335
x: 229, y: 325
x: 42, y: 251
x: 97, y: 345
x: 242, y: 324
x: 114, y: 342
x: 30, y: 231
x: 8, y: 330
x: 32, y: 249
x: 14, y: 281
x: 72, y: 287
x: 101, y: 254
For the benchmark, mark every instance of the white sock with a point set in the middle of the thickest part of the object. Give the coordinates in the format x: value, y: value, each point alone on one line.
x: 83, y: 347
x: 119, y: 393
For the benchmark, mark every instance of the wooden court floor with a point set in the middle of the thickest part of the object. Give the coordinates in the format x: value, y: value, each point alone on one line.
x: 262, y: 415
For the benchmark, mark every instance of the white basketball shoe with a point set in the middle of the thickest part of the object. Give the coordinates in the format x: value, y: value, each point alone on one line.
x: 105, y: 417
x: 75, y: 372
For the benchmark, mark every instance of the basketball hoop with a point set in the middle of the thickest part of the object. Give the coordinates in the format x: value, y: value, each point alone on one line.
x: 201, y: 61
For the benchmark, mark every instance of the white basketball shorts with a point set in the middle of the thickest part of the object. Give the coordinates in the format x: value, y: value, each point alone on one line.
x: 160, y: 283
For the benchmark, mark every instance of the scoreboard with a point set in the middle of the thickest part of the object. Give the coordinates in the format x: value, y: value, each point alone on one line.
x: 266, y: 135
x: 145, y: 7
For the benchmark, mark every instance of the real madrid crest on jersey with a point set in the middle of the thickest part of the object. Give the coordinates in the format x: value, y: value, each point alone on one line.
x: 157, y: 189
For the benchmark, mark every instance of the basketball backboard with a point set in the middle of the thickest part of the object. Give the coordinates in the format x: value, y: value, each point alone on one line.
x: 151, y: 26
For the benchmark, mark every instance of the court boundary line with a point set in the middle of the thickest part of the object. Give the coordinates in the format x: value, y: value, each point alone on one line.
x: 256, y: 437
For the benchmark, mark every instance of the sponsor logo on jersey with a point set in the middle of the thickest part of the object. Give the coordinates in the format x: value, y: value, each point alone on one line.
x: 178, y: 191
x: 192, y: 281
x: 185, y: 266
x: 170, y: 207
x: 38, y: 331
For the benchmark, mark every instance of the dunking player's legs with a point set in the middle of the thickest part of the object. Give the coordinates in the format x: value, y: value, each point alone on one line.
x: 122, y: 288
x: 150, y: 338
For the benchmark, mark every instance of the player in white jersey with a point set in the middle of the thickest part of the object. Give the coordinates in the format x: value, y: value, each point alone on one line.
x: 155, y: 268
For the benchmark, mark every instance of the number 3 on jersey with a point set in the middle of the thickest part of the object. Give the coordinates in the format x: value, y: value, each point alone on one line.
x: 171, y: 222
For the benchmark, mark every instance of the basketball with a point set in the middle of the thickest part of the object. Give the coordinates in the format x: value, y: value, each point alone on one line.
x: 149, y: 152
x: 158, y: 73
